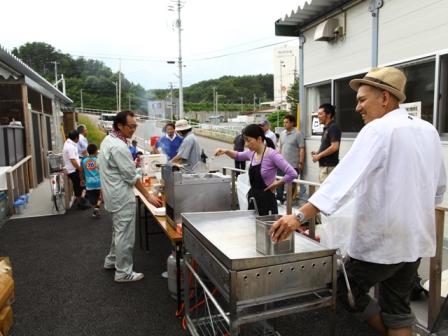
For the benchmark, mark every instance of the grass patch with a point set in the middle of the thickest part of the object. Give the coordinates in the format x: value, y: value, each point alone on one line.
x: 94, y: 135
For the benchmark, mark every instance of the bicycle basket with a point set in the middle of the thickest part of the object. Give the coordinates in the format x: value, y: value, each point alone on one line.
x: 56, y: 163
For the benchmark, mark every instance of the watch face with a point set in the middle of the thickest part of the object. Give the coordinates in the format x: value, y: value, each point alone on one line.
x: 300, y: 216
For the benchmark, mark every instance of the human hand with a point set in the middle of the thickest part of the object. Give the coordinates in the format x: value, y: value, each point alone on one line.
x: 272, y: 187
x: 82, y: 183
x: 154, y: 201
x: 282, y: 228
x: 316, y: 157
x: 219, y: 151
x: 313, y: 153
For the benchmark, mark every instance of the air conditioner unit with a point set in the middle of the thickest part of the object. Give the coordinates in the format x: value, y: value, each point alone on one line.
x: 325, y: 30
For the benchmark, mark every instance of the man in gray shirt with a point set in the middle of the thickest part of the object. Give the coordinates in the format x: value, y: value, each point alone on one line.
x: 189, y: 151
x: 292, y: 148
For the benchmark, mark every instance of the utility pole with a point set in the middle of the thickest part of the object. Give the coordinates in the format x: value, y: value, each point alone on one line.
x: 82, y: 107
x: 241, y: 103
x: 216, y: 114
x: 129, y: 100
x: 56, y: 73
x: 214, y: 100
x: 254, y: 101
x: 171, y: 96
x: 116, y: 93
x: 179, y: 30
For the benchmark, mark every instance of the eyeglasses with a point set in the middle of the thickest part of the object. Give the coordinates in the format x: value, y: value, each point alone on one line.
x: 132, y: 126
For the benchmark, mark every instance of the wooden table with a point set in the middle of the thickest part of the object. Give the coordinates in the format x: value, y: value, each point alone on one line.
x: 167, y: 228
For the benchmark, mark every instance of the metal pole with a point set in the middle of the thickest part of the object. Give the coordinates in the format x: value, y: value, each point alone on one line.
x: 181, y: 90
x: 116, y: 93
x: 241, y: 103
x: 129, y: 100
x: 254, y: 101
x: 56, y: 73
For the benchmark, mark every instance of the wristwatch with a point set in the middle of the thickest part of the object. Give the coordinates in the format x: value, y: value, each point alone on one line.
x: 300, y: 217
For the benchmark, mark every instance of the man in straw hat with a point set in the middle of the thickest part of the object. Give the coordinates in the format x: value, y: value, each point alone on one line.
x: 396, y: 167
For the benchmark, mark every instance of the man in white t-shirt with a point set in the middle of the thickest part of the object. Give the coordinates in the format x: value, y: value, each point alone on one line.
x: 72, y: 166
x: 267, y: 131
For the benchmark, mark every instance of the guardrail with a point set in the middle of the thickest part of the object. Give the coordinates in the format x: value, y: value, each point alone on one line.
x: 19, y: 180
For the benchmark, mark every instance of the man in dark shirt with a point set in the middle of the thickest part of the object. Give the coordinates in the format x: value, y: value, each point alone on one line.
x: 328, y: 154
x: 238, y: 145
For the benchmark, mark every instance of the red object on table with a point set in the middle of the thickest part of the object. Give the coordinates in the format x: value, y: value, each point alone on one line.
x: 154, y: 139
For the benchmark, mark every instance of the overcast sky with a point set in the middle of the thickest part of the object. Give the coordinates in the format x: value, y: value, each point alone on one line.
x: 232, y: 37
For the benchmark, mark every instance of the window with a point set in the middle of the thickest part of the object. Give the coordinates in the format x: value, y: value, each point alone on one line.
x: 443, y: 102
x: 346, y: 116
x: 156, y: 105
x: 318, y: 95
x: 420, y: 86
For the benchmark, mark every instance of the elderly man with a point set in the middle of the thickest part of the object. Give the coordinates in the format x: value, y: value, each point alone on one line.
x: 396, y: 167
x: 267, y: 131
x: 82, y: 143
x: 189, y: 151
x: 118, y: 179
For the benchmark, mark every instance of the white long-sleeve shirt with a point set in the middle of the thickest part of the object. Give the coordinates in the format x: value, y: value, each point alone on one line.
x: 396, y: 166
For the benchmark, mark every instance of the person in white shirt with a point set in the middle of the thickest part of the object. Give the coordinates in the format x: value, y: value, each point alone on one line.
x: 82, y: 143
x: 396, y: 167
x: 267, y: 131
x: 70, y: 156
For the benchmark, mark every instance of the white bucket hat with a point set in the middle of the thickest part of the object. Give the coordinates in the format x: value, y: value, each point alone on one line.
x: 182, y: 125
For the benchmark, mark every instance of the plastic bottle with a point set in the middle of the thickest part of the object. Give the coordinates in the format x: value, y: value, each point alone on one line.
x: 159, y: 196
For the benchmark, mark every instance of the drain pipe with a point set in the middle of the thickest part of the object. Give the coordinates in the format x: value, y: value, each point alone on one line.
x: 374, y: 7
x: 302, y: 99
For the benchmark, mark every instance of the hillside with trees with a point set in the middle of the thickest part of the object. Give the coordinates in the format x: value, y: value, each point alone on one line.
x: 96, y: 81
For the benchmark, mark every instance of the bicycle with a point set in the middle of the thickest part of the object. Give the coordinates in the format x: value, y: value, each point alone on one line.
x: 56, y: 164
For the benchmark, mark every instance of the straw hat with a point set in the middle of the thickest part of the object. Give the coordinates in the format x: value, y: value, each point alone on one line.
x: 182, y: 125
x: 386, y: 78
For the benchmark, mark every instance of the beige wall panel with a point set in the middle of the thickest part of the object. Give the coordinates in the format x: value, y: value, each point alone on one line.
x: 324, y: 60
x: 412, y: 28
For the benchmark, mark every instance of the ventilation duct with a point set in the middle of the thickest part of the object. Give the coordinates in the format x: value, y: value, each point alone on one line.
x: 326, y: 30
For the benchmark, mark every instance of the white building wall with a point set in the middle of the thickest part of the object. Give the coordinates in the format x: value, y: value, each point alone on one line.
x: 412, y: 28
x: 284, y: 76
x: 324, y: 60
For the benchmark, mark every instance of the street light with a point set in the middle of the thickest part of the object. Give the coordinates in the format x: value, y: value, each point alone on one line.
x: 281, y: 90
x: 116, y: 92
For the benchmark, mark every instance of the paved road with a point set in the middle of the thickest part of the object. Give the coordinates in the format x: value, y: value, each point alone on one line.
x: 209, y: 145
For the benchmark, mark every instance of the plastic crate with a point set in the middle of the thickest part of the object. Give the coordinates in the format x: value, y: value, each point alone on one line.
x: 19, y: 206
x: 25, y: 198
x: 4, y: 208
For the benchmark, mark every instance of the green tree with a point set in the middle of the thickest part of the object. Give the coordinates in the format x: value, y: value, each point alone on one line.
x: 293, y: 96
x: 272, y: 118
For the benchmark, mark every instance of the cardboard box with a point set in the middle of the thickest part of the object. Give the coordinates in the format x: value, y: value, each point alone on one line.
x: 6, y: 320
x: 6, y: 288
x: 5, y: 266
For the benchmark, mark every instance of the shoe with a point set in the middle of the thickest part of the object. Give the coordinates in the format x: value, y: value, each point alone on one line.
x: 131, y: 277
x: 81, y: 207
x: 96, y: 212
x: 109, y: 267
x: 280, y: 202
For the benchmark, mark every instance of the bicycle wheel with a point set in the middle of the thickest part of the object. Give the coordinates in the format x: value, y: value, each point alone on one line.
x: 59, y: 202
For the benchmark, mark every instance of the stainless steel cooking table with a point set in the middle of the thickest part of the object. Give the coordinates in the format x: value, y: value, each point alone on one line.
x: 223, y: 244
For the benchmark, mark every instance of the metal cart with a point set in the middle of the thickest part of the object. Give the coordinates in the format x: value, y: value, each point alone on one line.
x: 223, y: 245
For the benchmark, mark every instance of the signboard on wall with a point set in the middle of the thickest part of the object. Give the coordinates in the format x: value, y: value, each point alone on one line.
x: 316, y: 127
x: 414, y: 109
